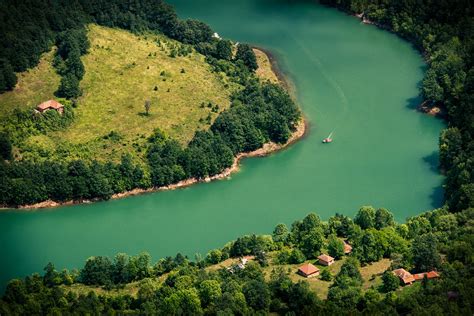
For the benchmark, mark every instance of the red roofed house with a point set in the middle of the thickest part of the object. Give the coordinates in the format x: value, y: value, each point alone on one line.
x: 405, y: 276
x: 308, y: 270
x: 50, y: 105
x: 429, y: 275
x: 347, y: 248
x: 325, y: 260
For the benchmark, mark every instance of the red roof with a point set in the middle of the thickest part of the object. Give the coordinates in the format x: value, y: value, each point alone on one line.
x: 404, y: 275
x: 429, y: 275
x: 53, y: 104
x: 308, y: 269
x: 325, y: 258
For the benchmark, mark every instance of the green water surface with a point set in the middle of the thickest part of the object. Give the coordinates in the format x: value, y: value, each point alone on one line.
x: 350, y: 78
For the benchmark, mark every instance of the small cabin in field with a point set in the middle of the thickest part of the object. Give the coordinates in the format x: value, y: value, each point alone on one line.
x: 308, y: 270
x: 50, y: 105
x: 325, y: 260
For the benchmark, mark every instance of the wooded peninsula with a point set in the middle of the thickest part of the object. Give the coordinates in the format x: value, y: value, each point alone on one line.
x: 228, y: 109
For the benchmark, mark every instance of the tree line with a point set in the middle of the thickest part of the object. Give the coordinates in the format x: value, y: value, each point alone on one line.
x: 71, y: 44
x: 178, y: 285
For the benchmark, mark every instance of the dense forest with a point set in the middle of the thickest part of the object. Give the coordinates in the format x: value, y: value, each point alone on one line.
x: 437, y: 240
x: 259, y: 113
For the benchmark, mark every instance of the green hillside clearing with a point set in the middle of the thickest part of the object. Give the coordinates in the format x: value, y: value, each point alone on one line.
x: 34, y: 86
x: 123, y: 70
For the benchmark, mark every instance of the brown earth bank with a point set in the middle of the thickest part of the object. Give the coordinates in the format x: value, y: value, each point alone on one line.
x: 267, y: 149
x: 431, y: 110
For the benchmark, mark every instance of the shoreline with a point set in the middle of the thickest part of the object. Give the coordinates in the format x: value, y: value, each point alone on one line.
x: 267, y: 149
x: 434, y: 111
x: 281, y: 76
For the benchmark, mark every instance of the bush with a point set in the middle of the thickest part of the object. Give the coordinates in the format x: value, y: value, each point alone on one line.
x: 326, y: 275
x: 390, y: 282
x: 247, y: 56
x: 296, y: 256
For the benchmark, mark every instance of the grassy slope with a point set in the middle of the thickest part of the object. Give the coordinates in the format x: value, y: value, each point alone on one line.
x: 122, y: 70
x: 121, y: 75
x: 34, y: 86
x: 265, y: 70
x: 320, y: 287
x: 370, y: 273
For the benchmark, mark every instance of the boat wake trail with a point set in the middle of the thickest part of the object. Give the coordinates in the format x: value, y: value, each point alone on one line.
x: 334, y: 84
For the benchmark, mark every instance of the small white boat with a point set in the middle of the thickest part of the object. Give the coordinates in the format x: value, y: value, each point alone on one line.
x: 328, y: 139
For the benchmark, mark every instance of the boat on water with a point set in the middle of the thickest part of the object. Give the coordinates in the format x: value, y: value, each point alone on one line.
x: 328, y: 139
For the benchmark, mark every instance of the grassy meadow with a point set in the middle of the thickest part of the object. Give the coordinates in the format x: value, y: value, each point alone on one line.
x: 371, y: 274
x: 123, y: 71
x: 34, y: 86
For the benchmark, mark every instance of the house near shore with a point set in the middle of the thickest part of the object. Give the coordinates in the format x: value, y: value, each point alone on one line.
x: 240, y: 264
x: 50, y: 105
x: 408, y: 278
x: 308, y: 270
x: 244, y: 260
x: 325, y: 260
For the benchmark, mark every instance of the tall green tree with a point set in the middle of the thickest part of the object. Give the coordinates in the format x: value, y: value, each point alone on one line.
x: 8, y: 77
x: 390, y: 282
x: 425, y: 253
x: 257, y: 295
x: 247, y: 56
x: 383, y: 218
x: 312, y: 243
x: 224, y: 50
x: 335, y: 247
x: 69, y: 87
x: 5, y: 147
x: 365, y: 217
x: 280, y: 233
x: 209, y: 292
